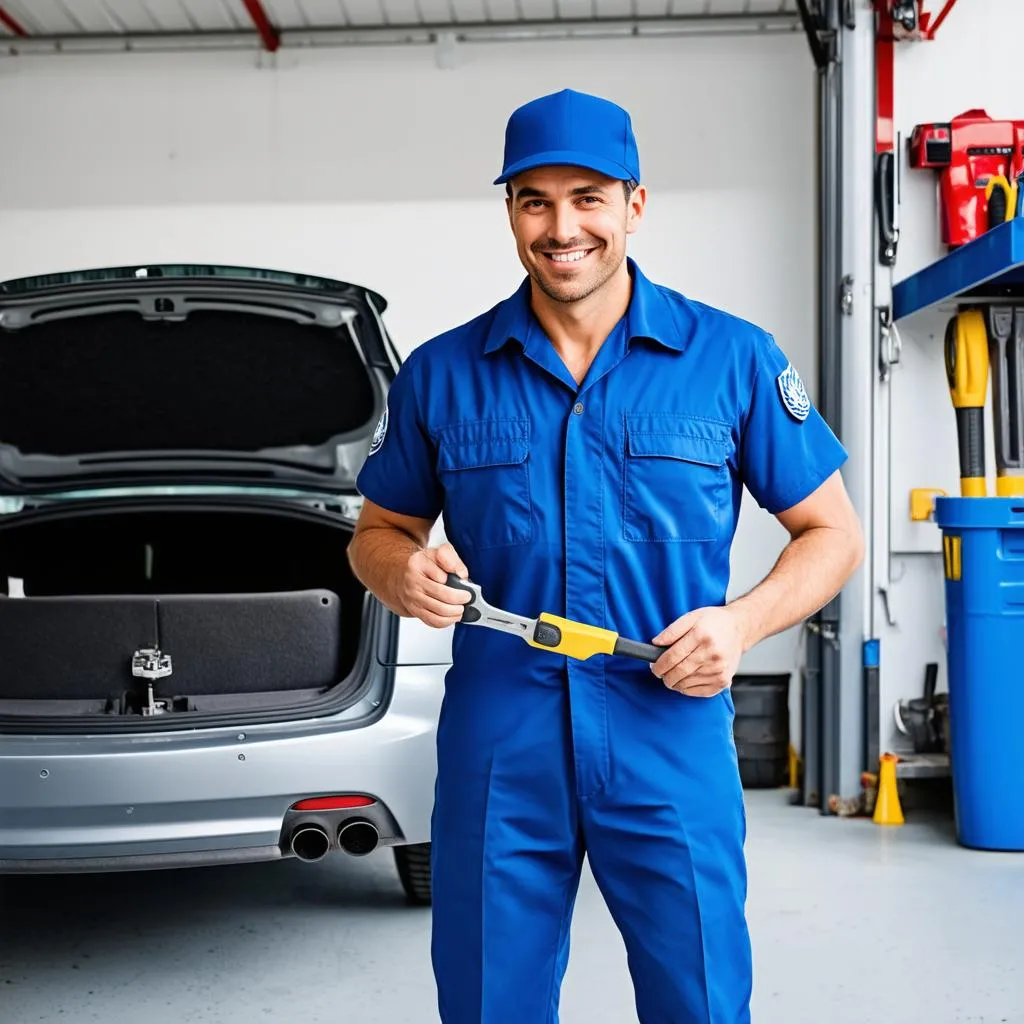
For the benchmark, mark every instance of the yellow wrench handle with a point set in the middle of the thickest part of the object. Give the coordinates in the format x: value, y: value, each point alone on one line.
x: 580, y: 641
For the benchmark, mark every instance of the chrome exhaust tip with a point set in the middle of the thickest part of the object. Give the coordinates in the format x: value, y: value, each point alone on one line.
x: 310, y: 843
x: 358, y: 837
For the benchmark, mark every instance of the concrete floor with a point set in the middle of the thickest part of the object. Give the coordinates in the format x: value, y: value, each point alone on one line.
x: 852, y: 924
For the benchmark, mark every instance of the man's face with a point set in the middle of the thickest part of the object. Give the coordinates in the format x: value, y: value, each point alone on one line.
x: 570, y: 227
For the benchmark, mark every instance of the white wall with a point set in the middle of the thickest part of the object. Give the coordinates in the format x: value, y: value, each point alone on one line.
x: 966, y: 65
x: 375, y: 166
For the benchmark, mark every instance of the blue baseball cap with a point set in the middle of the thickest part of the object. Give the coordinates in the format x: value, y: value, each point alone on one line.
x: 571, y: 128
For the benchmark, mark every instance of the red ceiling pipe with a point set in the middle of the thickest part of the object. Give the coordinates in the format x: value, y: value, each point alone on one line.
x: 269, y: 34
x: 11, y: 25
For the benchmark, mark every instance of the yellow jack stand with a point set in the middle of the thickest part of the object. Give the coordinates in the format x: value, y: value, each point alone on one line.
x: 887, y: 803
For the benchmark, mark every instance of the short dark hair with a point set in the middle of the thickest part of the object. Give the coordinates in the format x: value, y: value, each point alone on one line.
x: 629, y: 186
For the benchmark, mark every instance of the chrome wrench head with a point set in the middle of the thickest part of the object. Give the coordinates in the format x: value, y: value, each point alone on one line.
x: 477, y: 612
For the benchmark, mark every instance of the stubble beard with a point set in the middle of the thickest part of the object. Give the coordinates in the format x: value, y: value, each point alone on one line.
x: 575, y: 291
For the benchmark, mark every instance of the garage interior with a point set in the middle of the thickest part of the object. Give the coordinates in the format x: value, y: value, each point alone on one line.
x: 356, y: 140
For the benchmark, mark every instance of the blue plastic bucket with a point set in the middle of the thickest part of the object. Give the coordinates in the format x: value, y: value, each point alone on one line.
x: 983, y: 556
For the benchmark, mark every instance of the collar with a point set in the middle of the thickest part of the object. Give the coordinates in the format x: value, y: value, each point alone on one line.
x: 649, y: 315
x: 511, y: 320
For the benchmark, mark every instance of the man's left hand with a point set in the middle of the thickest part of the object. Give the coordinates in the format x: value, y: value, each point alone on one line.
x: 706, y: 647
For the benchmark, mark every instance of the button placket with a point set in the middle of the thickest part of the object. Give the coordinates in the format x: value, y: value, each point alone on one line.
x: 583, y: 476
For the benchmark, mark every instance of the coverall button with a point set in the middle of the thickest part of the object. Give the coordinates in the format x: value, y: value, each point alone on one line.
x: 578, y: 408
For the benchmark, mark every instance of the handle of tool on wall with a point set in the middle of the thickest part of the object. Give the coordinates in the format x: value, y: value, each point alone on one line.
x: 967, y: 367
x: 885, y: 202
x: 1006, y: 355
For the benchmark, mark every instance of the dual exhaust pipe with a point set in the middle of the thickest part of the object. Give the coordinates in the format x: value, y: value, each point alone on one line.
x: 357, y: 837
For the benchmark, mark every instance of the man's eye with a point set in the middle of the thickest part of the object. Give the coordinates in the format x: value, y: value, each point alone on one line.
x: 590, y: 199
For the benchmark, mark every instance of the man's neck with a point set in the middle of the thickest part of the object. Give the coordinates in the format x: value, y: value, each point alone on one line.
x: 577, y: 330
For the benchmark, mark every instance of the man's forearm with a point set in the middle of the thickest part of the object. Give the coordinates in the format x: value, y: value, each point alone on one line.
x: 811, y: 570
x: 378, y: 557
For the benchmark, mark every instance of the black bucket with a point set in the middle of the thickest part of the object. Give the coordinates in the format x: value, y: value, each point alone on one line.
x: 761, y: 729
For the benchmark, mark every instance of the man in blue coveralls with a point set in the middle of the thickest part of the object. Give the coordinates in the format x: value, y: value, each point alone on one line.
x: 587, y: 441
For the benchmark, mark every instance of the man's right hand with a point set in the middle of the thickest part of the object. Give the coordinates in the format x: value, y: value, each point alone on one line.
x: 389, y: 555
x: 424, y: 591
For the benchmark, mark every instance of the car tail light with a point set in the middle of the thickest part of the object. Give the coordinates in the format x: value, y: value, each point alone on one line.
x: 333, y: 803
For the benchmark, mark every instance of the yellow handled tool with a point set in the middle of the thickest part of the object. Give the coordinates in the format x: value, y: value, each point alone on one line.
x: 1004, y: 199
x: 551, y: 632
x: 1006, y: 348
x: 967, y: 363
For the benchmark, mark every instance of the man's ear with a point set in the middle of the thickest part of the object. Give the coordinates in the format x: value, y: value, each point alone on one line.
x: 635, y: 208
x: 508, y: 210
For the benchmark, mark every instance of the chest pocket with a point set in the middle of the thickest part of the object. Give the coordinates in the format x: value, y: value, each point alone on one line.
x: 484, y: 467
x: 676, y: 480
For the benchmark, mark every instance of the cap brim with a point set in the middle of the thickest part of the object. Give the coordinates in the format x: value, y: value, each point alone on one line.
x: 565, y: 158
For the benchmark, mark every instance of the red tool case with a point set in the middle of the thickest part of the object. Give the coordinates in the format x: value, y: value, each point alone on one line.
x: 968, y: 151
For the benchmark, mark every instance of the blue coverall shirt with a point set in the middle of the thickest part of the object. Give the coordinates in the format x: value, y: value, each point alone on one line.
x: 613, y: 502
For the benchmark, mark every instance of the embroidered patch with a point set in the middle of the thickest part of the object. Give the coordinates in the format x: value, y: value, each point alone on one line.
x: 794, y: 397
x: 378, y: 434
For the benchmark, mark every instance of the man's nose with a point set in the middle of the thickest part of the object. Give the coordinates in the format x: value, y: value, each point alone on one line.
x: 565, y: 222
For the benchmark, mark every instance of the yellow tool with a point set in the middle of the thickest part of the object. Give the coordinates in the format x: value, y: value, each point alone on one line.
x: 551, y: 632
x: 967, y: 363
x: 1003, y: 199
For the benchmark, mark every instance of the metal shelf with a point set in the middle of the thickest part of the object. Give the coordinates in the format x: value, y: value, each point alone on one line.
x: 922, y: 766
x: 989, y: 268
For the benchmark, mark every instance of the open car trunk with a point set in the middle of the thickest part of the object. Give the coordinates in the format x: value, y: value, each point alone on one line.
x: 214, y: 607
x: 123, y: 390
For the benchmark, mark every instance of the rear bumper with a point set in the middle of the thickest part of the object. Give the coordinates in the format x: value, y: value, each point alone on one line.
x: 139, y: 862
x: 105, y: 803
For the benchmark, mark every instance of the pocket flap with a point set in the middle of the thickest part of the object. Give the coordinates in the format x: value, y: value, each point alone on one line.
x: 707, y: 451
x: 476, y: 454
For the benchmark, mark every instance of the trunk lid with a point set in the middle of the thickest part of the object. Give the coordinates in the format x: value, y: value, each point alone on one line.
x: 188, y: 375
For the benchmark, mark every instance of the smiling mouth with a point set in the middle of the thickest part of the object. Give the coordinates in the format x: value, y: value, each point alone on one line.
x: 568, y: 259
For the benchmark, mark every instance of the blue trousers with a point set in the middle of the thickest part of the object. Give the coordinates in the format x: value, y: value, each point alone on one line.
x: 644, y: 782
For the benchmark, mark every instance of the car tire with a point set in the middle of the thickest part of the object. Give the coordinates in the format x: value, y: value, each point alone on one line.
x: 413, y: 862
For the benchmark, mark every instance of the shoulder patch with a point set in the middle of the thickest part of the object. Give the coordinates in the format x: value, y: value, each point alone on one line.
x: 378, y: 434
x: 794, y: 396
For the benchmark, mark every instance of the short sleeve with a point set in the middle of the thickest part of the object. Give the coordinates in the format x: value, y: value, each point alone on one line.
x: 400, y: 471
x: 787, y: 450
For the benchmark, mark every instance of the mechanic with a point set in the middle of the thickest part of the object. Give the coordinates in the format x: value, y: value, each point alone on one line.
x: 587, y: 441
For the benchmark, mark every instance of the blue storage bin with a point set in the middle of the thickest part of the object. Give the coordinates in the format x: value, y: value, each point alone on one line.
x: 983, y: 554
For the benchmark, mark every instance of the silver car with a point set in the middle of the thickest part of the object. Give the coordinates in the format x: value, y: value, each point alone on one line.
x: 189, y: 672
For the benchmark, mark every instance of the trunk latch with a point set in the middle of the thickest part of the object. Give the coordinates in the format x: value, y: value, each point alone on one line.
x: 151, y: 663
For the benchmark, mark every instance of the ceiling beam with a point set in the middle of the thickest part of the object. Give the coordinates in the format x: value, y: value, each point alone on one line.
x: 270, y: 36
x: 934, y: 26
x: 15, y: 27
x: 527, y: 30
